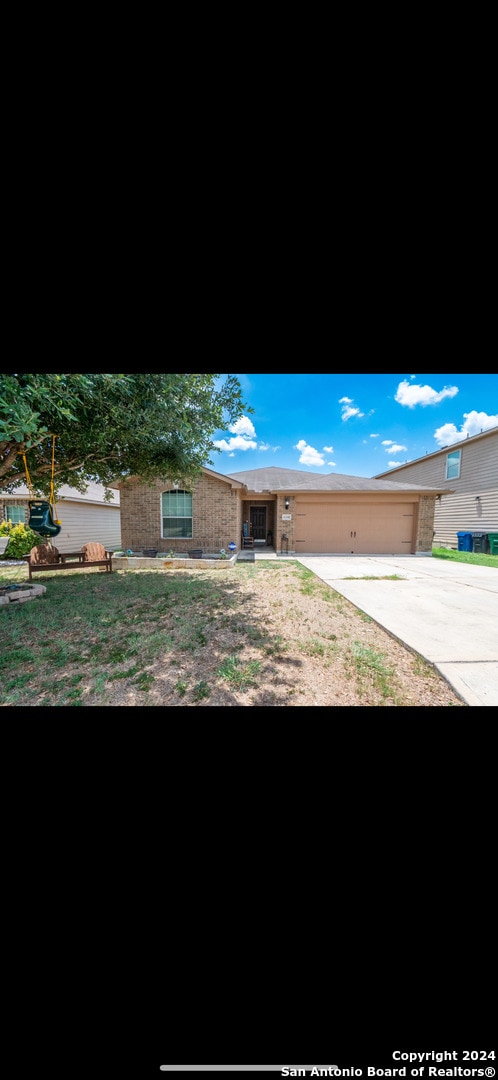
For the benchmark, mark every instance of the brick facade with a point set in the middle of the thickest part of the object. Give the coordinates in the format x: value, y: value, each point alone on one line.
x: 425, y: 524
x: 219, y: 508
x: 216, y: 516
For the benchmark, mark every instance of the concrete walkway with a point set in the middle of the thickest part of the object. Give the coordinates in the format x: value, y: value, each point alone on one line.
x: 445, y: 611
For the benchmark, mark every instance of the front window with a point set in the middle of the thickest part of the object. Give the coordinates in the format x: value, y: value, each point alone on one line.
x: 15, y: 514
x: 453, y: 465
x: 177, y: 515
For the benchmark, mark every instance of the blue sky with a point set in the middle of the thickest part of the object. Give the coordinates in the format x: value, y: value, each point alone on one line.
x: 358, y: 425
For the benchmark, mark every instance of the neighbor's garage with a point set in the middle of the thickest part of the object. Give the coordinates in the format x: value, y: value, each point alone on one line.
x: 347, y: 525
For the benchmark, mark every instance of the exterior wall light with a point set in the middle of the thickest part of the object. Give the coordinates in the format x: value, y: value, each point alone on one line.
x: 287, y: 504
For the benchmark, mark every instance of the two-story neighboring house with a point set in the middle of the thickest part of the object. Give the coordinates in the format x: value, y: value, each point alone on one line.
x: 470, y: 469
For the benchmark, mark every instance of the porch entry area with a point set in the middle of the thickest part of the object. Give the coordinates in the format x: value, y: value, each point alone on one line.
x: 255, y: 529
x: 258, y: 524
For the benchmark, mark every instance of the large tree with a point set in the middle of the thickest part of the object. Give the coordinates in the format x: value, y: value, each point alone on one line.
x: 111, y: 426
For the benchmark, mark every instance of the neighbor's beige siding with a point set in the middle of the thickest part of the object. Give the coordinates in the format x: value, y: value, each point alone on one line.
x: 84, y: 522
x: 460, y: 512
x: 478, y: 468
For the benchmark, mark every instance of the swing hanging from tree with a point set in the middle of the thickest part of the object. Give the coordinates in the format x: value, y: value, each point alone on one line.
x: 43, y: 517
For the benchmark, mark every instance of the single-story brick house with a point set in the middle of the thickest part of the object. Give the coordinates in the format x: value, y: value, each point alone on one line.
x: 293, y: 511
x: 467, y: 473
x: 85, y: 518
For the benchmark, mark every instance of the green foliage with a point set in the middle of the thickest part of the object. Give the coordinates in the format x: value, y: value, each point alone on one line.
x: 21, y: 539
x: 240, y: 675
x: 369, y: 662
x: 201, y: 690
x: 111, y: 426
x: 476, y: 557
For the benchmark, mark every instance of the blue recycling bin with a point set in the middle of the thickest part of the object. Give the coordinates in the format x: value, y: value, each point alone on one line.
x: 464, y: 541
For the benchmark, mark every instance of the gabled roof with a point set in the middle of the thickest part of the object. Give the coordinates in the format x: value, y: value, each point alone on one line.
x: 235, y: 483
x: 274, y: 481
x: 442, y: 450
x: 93, y: 494
x: 235, y: 480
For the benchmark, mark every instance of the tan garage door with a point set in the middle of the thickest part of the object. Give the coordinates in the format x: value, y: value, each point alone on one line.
x: 382, y: 529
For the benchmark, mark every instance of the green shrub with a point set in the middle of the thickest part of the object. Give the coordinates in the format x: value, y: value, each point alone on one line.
x: 21, y: 539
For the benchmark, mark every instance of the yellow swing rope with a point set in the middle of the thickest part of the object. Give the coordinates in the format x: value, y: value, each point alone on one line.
x: 28, y: 478
x: 52, y: 490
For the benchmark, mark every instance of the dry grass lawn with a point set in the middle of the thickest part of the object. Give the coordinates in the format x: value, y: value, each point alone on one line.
x: 257, y: 634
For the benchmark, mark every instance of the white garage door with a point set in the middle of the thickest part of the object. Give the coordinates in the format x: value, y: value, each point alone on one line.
x: 373, y: 529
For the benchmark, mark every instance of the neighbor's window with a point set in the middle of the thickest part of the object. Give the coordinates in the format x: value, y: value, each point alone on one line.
x: 453, y: 465
x: 177, y: 515
x: 15, y: 514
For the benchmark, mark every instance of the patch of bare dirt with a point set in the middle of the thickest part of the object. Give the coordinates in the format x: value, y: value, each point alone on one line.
x: 280, y: 638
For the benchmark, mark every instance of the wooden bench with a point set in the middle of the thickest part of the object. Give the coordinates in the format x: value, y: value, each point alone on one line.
x: 45, y: 557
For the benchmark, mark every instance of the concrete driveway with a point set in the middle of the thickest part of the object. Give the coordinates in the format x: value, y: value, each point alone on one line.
x: 446, y: 611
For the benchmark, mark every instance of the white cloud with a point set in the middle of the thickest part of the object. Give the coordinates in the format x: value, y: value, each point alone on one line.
x: 473, y: 423
x: 376, y: 436
x: 422, y: 395
x: 395, y: 448
x: 347, y: 412
x: 243, y: 431
x: 395, y: 464
x: 243, y: 426
x: 387, y: 442
x: 331, y: 463
x: 328, y: 449
x: 308, y: 454
x: 266, y: 446
x: 237, y: 443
